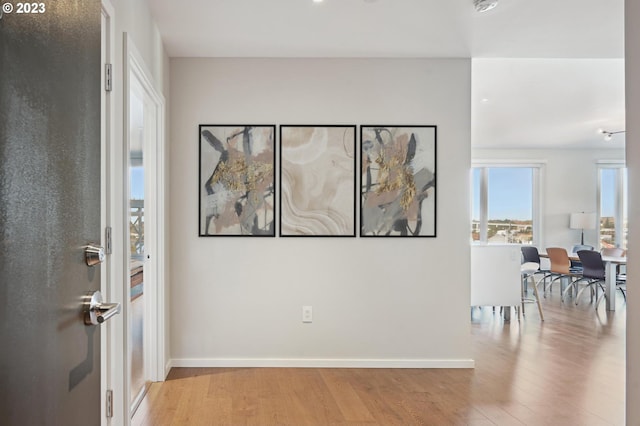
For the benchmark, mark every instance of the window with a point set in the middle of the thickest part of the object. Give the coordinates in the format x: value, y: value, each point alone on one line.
x: 612, y: 205
x: 505, y: 204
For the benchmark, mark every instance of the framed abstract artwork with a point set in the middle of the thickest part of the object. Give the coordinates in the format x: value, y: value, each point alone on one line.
x: 398, y: 181
x: 237, y: 180
x: 317, y: 181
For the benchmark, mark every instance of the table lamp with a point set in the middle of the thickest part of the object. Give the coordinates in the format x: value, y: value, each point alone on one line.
x: 582, y: 221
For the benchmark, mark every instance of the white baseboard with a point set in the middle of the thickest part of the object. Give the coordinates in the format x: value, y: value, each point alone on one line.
x: 322, y: 363
x: 168, y: 367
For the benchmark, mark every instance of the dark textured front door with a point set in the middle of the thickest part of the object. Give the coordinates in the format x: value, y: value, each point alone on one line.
x: 49, y: 211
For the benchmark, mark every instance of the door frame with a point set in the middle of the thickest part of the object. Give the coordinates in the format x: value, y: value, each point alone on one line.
x: 115, y: 363
x: 112, y: 331
x: 154, y: 322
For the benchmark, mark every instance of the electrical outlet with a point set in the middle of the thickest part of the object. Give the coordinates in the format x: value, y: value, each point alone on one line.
x: 307, y: 314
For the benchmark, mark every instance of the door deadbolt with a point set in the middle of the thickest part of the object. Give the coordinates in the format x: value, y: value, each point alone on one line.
x: 93, y: 254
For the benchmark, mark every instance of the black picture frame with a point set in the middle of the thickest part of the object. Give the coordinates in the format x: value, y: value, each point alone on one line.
x: 318, y: 180
x: 236, y: 180
x: 398, y: 181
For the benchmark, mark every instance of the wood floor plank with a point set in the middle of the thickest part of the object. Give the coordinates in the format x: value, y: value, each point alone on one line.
x: 568, y: 370
x: 351, y: 406
x: 192, y: 406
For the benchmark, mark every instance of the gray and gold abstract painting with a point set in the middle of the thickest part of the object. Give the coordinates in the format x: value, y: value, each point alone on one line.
x: 237, y: 187
x: 398, y: 181
x: 317, y: 181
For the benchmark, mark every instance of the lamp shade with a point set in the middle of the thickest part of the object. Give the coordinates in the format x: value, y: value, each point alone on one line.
x: 582, y: 221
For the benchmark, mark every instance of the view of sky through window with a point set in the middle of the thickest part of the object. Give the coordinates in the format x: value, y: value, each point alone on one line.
x: 510, y: 193
x: 509, y: 205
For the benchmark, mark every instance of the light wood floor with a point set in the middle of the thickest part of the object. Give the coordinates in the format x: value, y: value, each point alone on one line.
x: 568, y: 370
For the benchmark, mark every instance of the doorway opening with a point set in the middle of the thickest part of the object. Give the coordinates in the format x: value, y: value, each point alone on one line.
x: 144, y: 281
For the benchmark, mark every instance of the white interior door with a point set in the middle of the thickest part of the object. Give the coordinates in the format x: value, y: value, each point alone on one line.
x: 142, y: 138
x: 144, y: 284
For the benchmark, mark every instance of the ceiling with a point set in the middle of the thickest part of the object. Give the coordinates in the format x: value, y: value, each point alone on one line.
x: 546, y: 73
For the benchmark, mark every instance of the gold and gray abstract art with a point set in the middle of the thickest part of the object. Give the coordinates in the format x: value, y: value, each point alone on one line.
x: 237, y: 180
x: 398, y: 181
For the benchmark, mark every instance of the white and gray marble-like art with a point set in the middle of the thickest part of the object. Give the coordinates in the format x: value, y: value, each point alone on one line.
x: 317, y: 183
x: 398, y: 181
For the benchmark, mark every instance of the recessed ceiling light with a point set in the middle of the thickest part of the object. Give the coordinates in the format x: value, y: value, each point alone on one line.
x: 317, y: 1
x: 484, y: 5
x: 484, y: 100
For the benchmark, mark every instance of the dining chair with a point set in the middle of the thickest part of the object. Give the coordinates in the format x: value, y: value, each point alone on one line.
x: 613, y: 251
x: 621, y: 284
x: 621, y: 277
x: 531, y: 254
x: 575, y: 249
x: 528, y: 271
x: 593, y: 275
x: 560, y: 268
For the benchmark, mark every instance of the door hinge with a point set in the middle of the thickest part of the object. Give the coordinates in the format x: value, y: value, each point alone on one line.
x: 107, y: 77
x: 107, y: 240
x: 109, y: 402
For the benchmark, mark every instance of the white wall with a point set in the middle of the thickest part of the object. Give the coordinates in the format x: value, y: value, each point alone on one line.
x: 134, y: 18
x: 569, y: 184
x: 376, y: 302
x: 632, y: 30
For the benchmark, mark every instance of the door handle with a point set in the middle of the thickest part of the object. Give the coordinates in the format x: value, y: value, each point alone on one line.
x: 96, y: 311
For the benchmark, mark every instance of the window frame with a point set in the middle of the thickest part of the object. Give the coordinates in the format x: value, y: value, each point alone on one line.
x: 538, y: 169
x: 620, y: 198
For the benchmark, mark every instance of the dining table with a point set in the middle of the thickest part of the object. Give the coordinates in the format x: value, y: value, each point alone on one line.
x: 611, y: 264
